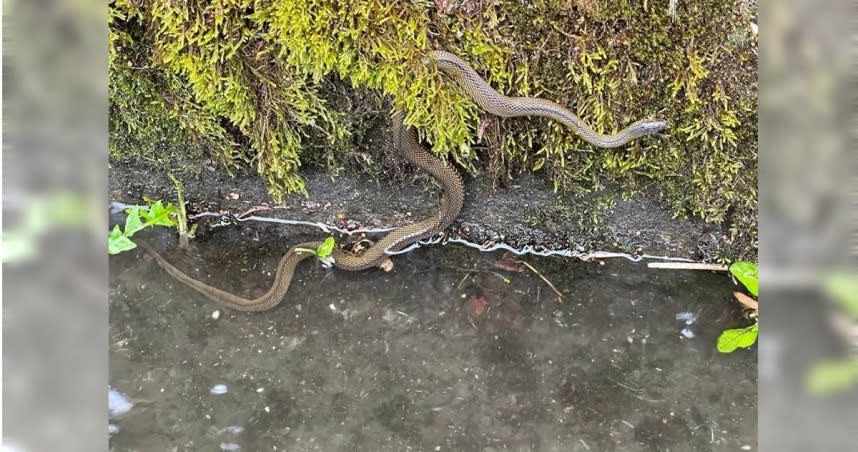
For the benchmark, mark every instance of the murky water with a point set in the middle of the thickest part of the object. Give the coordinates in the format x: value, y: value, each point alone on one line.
x: 452, y: 350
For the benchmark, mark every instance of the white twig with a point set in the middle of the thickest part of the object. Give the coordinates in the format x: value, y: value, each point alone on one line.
x: 688, y: 266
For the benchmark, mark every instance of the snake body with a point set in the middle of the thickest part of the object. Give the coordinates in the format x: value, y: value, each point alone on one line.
x: 406, y: 140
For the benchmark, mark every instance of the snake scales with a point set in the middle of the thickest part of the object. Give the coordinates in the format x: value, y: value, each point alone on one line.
x: 405, y: 139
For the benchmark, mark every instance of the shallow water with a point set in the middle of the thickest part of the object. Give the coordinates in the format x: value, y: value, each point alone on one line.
x: 452, y: 350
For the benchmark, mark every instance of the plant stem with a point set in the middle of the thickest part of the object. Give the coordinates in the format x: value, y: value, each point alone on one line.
x: 183, y: 216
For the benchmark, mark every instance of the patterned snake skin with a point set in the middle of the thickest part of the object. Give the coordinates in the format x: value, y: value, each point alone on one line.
x: 405, y: 139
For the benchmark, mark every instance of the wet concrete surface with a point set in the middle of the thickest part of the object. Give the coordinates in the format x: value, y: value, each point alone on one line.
x: 452, y: 350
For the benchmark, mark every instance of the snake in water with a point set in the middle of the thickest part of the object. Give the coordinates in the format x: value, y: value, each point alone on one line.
x: 406, y: 141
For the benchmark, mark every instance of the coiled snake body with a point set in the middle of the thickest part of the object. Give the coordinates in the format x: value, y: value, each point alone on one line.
x: 405, y: 139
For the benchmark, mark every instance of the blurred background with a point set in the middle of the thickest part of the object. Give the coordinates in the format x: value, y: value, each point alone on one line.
x: 808, y: 366
x: 54, y: 212
x: 55, y: 228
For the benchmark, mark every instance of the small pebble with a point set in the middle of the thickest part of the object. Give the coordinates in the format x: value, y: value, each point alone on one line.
x: 216, y: 314
x: 687, y: 333
x: 219, y: 389
x: 267, y: 410
x: 260, y: 389
x: 229, y: 446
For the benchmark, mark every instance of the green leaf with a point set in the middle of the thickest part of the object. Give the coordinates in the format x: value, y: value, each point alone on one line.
x: 133, y: 223
x: 326, y: 248
x: 730, y: 340
x: 18, y: 245
x: 119, y: 242
x: 829, y: 377
x: 746, y: 273
x: 160, y: 215
x: 843, y: 288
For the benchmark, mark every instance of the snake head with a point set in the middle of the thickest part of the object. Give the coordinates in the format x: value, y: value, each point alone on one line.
x: 652, y: 125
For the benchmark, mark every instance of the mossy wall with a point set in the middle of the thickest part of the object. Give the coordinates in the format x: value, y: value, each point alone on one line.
x: 252, y: 82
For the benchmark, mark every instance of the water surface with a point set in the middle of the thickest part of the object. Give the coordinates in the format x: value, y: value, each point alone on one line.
x: 452, y: 350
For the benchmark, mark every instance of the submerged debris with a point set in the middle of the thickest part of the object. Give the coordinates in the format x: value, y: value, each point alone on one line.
x: 233, y: 429
x: 687, y: 317
x: 219, y: 389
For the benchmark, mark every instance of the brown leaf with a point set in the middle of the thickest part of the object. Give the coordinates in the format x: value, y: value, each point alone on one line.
x: 508, y: 263
x: 746, y: 300
x: 477, y: 306
x: 501, y: 265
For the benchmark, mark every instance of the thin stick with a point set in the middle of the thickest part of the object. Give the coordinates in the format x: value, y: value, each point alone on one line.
x: 688, y: 266
x: 463, y: 280
x: 543, y: 278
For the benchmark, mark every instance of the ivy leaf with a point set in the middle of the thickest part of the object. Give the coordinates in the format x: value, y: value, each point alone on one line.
x: 730, y: 340
x: 746, y: 273
x: 326, y: 248
x: 119, y: 242
x: 160, y: 215
x: 133, y: 222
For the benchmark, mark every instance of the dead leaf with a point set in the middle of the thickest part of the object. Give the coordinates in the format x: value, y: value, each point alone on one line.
x: 746, y: 300
x: 508, y: 262
x: 477, y: 306
x: 507, y: 266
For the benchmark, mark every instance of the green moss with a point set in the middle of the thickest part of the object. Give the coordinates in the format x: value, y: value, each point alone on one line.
x: 252, y: 80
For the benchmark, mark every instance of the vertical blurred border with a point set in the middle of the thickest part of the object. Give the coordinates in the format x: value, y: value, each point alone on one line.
x: 54, y: 225
x: 808, y: 346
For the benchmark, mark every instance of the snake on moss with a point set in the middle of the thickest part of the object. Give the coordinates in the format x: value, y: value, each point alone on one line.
x: 406, y: 140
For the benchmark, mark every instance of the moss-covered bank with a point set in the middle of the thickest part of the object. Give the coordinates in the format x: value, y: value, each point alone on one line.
x: 270, y: 84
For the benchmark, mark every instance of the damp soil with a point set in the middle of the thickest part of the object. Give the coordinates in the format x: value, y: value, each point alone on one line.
x: 453, y: 349
x: 524, y: 213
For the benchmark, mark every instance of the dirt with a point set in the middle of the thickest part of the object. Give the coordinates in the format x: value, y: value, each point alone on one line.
x: 527, y: 212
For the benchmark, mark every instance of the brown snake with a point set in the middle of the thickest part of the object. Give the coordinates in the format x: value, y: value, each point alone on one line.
x: 405, y: 139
